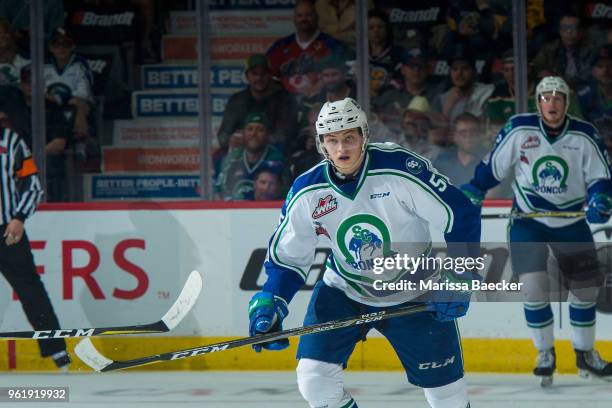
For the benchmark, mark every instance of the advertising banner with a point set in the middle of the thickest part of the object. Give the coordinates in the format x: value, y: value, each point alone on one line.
x: 141, y: 187
x: 150, y: 159
x: 156, y: 132
x: 175, y: 104
x: 184, y: 48
x: 161, y: 76
x: 263, y: 21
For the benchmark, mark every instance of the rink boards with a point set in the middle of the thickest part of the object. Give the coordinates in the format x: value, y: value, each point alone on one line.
x: 116, y: 264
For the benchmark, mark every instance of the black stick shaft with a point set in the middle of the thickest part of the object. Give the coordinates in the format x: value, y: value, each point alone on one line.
x: 157, y: 327
x: 263, y: 338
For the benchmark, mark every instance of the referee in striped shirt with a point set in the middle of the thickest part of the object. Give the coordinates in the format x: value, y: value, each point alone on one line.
x: 20, y: 193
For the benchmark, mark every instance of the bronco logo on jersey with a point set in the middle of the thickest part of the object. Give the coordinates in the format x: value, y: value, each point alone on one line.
x: 531, y: 142
x: 362, y: 238
x: 326, y: 205
x: 550, y: 175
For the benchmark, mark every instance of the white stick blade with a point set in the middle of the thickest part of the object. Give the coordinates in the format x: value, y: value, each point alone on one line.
x: 88, y: 354
x: 185, y: 301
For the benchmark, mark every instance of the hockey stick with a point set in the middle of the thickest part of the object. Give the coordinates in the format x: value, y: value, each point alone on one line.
x: 92, y: 357
x: 169, y: 321
x: 556, y: 214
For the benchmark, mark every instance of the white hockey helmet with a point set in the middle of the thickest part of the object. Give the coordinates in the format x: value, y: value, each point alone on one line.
x: 552, y: 84
x: 341, y: 115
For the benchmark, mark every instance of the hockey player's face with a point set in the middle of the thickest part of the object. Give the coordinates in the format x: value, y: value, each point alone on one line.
x: 552, y: 106
x: 344, y: 149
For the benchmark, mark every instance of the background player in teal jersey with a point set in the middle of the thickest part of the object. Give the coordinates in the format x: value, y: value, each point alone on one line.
x: 558, y: 163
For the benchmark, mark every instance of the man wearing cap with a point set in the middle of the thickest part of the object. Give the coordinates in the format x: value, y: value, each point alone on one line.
x: 465, y: 94
x: 267, y: 185
x: 263, y: 95
x: 238, y: 169
x: 334, y: 83
x: 415, y: 72
x: 417, y: 124
x: 68, y: 82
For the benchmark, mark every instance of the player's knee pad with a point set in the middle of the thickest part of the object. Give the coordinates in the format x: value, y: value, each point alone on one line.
x: 321, y: 384
x: 535, y: 286
x: 453, y: 395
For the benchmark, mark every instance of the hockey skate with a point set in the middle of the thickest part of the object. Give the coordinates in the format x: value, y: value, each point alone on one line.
x: 590, y: 364
x: 545, y: 367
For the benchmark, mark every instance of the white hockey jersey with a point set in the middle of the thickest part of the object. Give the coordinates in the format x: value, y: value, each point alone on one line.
x: 549, y: 175
x: 389, y: 208
x: 74, y: 80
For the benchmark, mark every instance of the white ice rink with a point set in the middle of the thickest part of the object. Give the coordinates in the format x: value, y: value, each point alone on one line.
x: 277, y: 389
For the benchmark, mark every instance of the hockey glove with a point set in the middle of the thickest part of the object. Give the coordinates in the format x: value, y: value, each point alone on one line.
x: 599, y: 208
x: 448, y: 305
x: 266, y: 313
x: 475, y: 194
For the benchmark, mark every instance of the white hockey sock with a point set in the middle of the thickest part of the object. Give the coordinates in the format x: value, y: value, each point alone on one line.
x: 540, y: 322
x: 543, y: 337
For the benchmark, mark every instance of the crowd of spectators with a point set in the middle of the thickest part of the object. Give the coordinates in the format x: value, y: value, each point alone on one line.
x: 441, y: 74
x: 441, y: 81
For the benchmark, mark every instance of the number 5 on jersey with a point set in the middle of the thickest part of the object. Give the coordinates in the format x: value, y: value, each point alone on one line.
x: 438, y: 181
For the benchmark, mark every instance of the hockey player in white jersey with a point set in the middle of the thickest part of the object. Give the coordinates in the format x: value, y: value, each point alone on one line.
x: 558, y: 163
x: 363, y: 201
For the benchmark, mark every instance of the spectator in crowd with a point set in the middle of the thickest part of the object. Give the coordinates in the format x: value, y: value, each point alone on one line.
x: 460, y: 160
x: 500, y: 106
x: 475, y: 25
x: 307, y: 155
x: 465, y: 94
x: 68, y: 81
x: 17, y: 12
x: 337, y: 18
x: 417, y: 24
x: 263, y: 95
x: 335, y: 85
x: 596, y: 97
x: 16, y: 110
x: 566, y: 56
x: 10, y: 61
x: 267, y: 185
x: 391, y: 104
x: 417, y: 124
x: 385, y: 57
x: 238, y: 169
x: 294, y: 58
